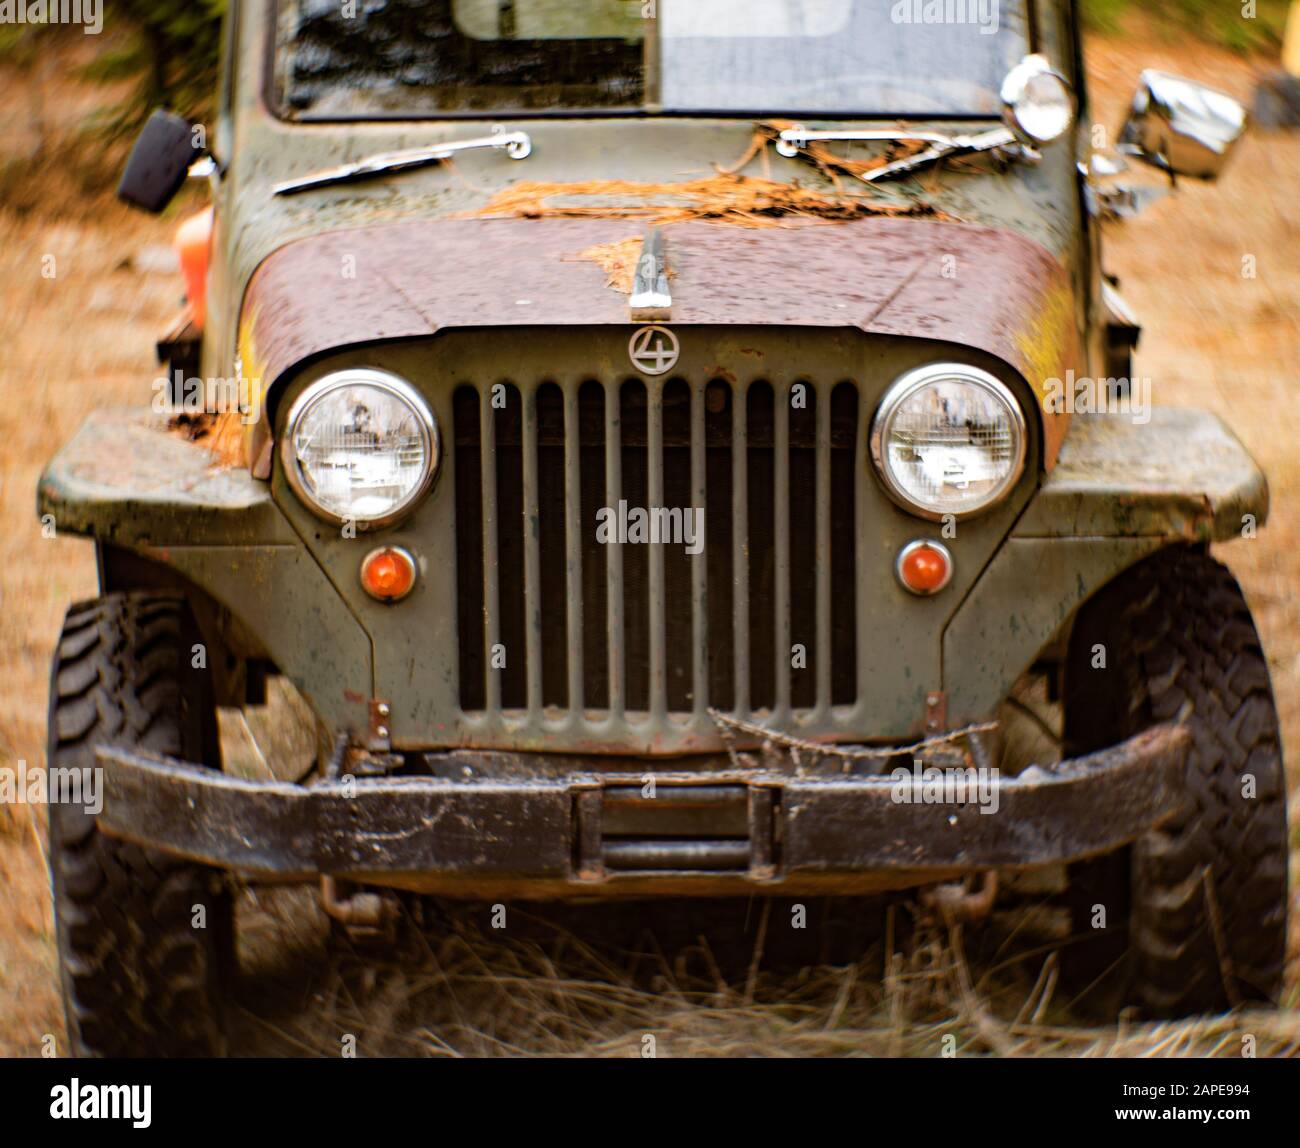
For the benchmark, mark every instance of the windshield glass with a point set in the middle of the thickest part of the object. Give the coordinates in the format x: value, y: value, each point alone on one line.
x: 434, y: 58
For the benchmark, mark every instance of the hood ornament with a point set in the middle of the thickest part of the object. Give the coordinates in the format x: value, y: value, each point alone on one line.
x: 650, y: 298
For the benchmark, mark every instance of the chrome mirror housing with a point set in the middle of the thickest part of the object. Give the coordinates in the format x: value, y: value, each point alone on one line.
x: 1181, y: 127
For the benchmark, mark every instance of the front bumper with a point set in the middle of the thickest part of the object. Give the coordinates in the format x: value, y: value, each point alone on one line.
x: 550, y: 831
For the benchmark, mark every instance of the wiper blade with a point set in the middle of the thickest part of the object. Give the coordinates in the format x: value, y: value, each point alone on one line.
x: 517, y: 145
x: 794, y: 141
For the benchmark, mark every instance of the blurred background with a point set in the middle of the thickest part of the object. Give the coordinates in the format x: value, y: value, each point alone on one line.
x: 86, y: 286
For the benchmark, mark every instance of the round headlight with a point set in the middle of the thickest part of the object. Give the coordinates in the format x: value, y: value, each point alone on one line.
x: 948, y: 439
x: 360, y: 446
x: 1036, y: 101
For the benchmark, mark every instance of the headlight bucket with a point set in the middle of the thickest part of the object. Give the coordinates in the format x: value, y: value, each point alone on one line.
x: 941, y: 430
x: 361, y: 446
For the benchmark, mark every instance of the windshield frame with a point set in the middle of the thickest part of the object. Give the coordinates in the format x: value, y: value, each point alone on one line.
x: 646, y: 111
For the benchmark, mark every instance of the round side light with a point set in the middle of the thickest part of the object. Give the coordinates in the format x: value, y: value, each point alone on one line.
x: 924, y: 567
x: 388, y: 574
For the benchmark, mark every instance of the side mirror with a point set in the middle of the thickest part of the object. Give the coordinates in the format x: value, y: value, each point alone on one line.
x: 160, y: 161
x: 1181, y: 127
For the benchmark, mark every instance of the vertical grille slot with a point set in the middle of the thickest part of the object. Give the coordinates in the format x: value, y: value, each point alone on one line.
x: 469, y: 547
x: 491, y: 552
x: 573, y: 535
x: 846, y: 464
x: 614, y: 554
x: 636, y: 559
x: 805, y: 501
x: 507, y: 417
x: 600, y: 630
x: 719, y: 402
x: 740, y: 547
x: 781, y: 647
x: 550, y: 611
x: 530, y: 530
x: 658, y: 702
x: 761, y: 478
x: 698, y: 563
x: 678, y: 566
x: 595, y: 592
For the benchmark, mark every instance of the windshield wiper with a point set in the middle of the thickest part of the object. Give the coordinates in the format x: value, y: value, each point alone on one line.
x: 794, y: 141
x: 516, y: 145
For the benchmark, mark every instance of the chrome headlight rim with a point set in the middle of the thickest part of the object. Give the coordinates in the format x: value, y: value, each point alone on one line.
x: 906, y: 385
x: 430, y: 434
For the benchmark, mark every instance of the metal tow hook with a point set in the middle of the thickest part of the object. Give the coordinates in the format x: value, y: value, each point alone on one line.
x: 363, y: 914
x: 958, y: 902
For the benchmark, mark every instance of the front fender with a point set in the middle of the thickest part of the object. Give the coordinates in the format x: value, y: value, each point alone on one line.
x: 126, y: 481
x: 1120, y: 491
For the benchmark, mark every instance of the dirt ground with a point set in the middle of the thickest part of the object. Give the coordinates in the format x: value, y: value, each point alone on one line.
x: 85, y: 288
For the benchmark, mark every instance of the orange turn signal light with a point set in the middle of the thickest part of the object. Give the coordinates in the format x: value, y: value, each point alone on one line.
x: 388, y: 573
x: 924, y: 567
x: 193, y: 245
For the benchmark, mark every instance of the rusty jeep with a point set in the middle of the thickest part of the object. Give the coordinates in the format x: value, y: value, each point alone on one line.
x: 672, y: 451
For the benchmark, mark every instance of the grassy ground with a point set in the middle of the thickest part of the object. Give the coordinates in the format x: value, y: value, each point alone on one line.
x: 708, y: 979
x: 1222, y: 22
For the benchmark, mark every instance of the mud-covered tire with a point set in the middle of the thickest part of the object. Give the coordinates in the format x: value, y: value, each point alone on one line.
x: 138, y: 977
x: 1207, y: 890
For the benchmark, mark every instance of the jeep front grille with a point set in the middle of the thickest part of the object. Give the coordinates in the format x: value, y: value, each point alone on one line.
x: 554, y: 626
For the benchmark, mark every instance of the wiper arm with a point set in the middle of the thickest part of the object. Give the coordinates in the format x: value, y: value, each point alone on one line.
x: 516, y: 145
x: 990, y: 140
x: 793, y: 141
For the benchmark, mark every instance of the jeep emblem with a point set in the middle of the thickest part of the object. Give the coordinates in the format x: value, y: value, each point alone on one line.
x: 653, y: 350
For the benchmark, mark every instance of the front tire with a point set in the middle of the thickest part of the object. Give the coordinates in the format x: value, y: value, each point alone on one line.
x: 1207, y: 891
x: 144, y: 939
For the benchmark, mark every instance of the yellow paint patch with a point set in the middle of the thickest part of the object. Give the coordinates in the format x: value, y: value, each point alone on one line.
x: 1042, y: 344
x: 252, y: 391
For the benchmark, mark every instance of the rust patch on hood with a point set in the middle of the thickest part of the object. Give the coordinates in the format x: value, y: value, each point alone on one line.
x: 972, y: 286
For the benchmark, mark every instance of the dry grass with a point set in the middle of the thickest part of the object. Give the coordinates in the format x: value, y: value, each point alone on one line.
x: 561, y: 987
x: 569, y: 984
x: 222, y: 434
x: 748, y: 201
x: 1218, y: 339
x: 618, y: 260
